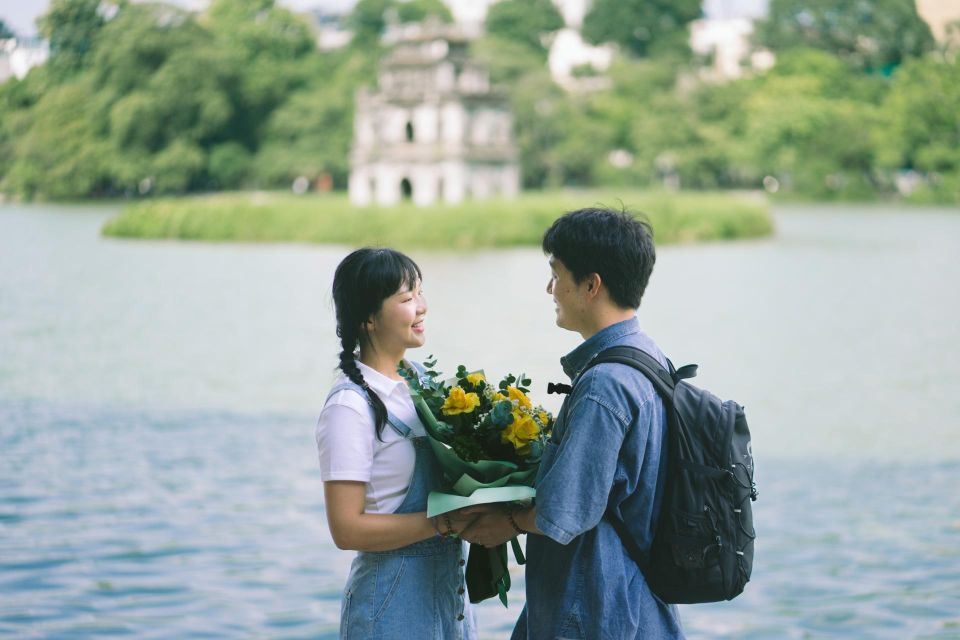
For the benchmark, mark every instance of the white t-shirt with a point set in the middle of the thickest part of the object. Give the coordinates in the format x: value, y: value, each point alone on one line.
x: 348, y: 446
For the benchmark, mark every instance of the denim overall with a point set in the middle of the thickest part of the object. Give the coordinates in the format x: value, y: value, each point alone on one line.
x: 415, y: 592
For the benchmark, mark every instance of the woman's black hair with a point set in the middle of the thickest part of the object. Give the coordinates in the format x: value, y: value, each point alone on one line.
x: 363, y: 280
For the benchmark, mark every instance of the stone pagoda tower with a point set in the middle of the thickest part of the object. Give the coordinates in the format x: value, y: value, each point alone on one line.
x: 434, y: 129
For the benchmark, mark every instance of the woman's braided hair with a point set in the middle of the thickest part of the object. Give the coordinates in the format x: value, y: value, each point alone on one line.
x: 363, y: 280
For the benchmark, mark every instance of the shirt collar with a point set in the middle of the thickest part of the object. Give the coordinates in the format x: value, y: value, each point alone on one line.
x: 574, y: 362
x: 380, y: 383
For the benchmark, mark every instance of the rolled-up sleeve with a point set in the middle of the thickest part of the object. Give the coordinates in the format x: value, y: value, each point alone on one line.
x: 572, y: 491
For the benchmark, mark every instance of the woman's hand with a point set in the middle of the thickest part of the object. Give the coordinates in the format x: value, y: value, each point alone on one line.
x: 490, y: 529
x: 497, y: 523
x: 456, y: 521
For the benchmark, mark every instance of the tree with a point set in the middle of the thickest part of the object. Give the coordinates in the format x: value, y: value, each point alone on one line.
x: 60, y: 151
x: 420, y: 10
x: 368, y: 20
x: 867, y: 34
x: 804, y: 128
x: 922, y: 113
x: 71, y: 27
x: 523, y: 21
x: 642, y: 27
x: 311, y: 132
x: 5, y: 31
x: 923, y: 109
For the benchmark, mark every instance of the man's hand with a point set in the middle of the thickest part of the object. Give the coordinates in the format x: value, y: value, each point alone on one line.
x: 457, y: 520
x: 492, y: 527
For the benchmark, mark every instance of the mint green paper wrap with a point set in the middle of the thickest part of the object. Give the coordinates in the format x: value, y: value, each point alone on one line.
x: 472, y: 483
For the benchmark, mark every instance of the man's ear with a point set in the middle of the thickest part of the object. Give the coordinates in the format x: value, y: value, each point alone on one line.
x: 594, y: 283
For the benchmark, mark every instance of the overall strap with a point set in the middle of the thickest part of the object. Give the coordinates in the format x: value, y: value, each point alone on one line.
x: 395, y: 423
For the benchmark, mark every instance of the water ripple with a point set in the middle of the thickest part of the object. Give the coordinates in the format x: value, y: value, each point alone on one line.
x: 210, y: 525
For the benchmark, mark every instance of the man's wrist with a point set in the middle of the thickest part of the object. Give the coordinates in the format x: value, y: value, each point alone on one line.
x: 525, y: 519
x: 513, y: 523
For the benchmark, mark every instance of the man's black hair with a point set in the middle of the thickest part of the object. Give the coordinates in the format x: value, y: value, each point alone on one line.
x: 614, y: 244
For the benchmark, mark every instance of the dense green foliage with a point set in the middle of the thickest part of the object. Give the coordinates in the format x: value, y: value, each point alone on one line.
x: 642, y: 27
x: 523, y: 21
x: 72, y: 28
x: 150, y: 99
x: 272, y: 217
x: 874, y: 34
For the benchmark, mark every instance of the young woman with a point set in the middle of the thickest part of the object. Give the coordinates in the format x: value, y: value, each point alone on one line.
x: 407, y: 580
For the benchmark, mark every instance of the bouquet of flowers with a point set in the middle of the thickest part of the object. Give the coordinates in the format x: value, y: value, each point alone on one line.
x: 488, y: 440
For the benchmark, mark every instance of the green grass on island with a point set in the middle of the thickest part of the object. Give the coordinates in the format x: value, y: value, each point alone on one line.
x: 330, y: 219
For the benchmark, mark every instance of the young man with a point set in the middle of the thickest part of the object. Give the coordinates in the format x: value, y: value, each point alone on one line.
x: 606, y: 454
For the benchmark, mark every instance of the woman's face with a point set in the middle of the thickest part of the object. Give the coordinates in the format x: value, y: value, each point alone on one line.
x: 398, y: 325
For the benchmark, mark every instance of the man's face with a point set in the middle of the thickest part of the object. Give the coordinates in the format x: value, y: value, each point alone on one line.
x: 567, y: 296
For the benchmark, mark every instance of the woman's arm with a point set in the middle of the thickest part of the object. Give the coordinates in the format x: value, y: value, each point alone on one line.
x: 354, y: 529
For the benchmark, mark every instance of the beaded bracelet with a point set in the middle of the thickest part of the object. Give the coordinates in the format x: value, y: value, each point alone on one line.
x: 513, y: 523
x: 450, y: 532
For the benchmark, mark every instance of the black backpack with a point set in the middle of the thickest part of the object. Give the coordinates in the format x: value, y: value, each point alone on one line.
x: 702, y: 548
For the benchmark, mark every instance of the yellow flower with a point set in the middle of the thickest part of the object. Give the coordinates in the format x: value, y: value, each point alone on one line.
x: 459, y: 401
x: 497, y: 396
x: 520, y: 432
x: 544, y: 417
x: 475, y: 378
x: 520, y: 397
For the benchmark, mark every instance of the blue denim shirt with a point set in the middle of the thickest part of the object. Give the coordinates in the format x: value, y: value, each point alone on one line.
x: 605, y: 452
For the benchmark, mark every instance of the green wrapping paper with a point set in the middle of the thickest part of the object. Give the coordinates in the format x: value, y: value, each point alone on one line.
x: 473, y: 483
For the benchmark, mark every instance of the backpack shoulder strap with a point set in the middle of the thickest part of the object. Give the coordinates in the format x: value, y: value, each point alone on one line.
x: 395, y: 423
x: 663, y: 380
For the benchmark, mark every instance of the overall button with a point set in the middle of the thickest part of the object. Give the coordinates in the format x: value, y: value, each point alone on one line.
x: 460, y: 617
x: 460, y: 591
x: 463, y: 562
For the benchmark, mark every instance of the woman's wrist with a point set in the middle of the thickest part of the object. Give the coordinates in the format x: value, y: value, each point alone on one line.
x: 443, y: 526
x: 436, y: 529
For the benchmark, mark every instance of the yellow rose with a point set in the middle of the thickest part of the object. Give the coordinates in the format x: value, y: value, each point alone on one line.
x: 520, y: 397
x: 520, y: 432
x: 475, y: 378
x: 497, y: 396
x: 544, y: 417
x: 459, y: 401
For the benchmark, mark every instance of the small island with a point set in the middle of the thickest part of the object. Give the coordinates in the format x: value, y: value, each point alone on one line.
x: 331, y: 219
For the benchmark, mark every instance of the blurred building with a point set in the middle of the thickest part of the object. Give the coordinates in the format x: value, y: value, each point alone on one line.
x: 329, y: 29
x: 18, y: 56
x: 434, y: 129
x: 723, y: 39
x: 939, y: 14
x: 726, y: 46
x: 574, y: 63
x: 470, y: 14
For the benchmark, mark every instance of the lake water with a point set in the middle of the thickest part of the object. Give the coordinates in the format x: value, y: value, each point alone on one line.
x: 158, y: 477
